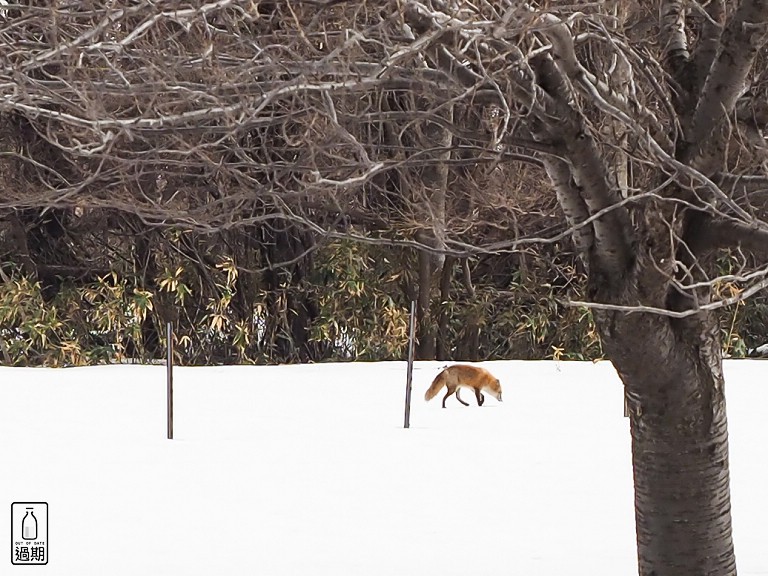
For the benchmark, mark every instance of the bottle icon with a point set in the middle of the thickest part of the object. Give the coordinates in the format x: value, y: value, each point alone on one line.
x: 29, y: 525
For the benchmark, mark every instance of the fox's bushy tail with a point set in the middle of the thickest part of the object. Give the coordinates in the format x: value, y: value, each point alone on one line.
x: 437, y: 385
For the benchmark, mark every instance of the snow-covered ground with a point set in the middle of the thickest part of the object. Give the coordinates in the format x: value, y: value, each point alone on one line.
x: 307, y: 470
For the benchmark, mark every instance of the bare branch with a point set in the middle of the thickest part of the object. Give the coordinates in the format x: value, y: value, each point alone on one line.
x: 569, y: 197
x: 745, y: 32
x: 718, y: 233
x: 712, y: 16
x: 639, y: 308
x: 610, y: 101
x: 673, y: 34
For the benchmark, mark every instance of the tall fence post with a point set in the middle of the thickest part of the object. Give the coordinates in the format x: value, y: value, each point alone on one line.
x: 409, y: 371
x: 169, y: 372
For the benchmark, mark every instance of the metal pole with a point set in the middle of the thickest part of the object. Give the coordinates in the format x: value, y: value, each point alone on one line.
x: 409, y: 372
x: 169, y: 371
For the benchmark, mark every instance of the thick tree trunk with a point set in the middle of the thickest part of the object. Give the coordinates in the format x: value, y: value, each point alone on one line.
x: 672, y: 372
x: 425, y: 328
x: 443, y: 345
x: 431, y: 197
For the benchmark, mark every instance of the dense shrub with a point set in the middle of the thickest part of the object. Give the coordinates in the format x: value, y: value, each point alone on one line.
x: 362, y: 306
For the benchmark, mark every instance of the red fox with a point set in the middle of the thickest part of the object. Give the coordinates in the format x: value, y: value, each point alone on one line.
x: 465, y: 376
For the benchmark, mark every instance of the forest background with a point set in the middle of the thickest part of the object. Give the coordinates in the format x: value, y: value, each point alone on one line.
x: 165, y: 164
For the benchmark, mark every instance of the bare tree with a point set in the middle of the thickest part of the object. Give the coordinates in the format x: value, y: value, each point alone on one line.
x: 657, y: 159
x: 396, y: 122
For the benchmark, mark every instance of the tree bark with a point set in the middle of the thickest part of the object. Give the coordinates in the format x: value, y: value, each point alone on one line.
x: 679, y: 440
x: 443, y: 330
x: 425, y: 332
x: 431, y: 198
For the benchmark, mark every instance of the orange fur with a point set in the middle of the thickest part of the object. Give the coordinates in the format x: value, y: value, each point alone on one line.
x: 465, y: 376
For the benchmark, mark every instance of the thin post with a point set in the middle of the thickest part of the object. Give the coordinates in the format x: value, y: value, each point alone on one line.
x: 169, y: 371
x: 409, y: 371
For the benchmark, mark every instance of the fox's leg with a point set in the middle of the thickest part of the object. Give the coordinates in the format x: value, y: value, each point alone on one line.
x: 480, y: 397
x: 459, y: 397
x: 447, y: 394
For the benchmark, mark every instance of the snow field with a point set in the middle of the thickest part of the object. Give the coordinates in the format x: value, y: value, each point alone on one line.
x: 284, y: 470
